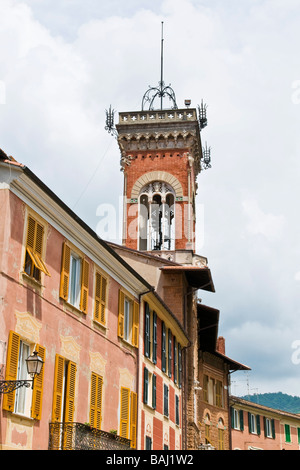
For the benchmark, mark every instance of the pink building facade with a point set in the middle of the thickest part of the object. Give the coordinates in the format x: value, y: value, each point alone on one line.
x: 66, y: 294
x: 257, y: 427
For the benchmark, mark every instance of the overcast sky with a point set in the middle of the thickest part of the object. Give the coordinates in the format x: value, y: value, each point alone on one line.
x: 63, y: 62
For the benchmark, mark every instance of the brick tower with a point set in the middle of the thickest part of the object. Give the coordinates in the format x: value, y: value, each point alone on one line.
x: 161, y: 156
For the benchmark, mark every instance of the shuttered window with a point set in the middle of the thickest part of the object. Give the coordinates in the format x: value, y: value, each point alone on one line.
x: 100, y: 298
x: 96, y: 401
x: 64, y: 390
x: 15, y: 345
x: 128, y: 415
x: 74, y: 279
x: 128, y: 319
x: 34, y: 263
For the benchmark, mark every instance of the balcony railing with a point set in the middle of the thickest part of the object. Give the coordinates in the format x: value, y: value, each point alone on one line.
x: 78, y: 436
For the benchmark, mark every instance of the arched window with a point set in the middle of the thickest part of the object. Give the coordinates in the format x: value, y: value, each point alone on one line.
x: 156, y: 217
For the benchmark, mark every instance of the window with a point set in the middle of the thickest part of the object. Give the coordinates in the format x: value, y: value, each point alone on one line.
x: 96, y: 401
x: 269, y: 427
x: 220, y: 434
x: 128, y: 319
x: 149, y: 397
x: 74, y: 283
x: 150, y: 336
x: 213, y: 391
x: 148, y: 443
x: 166, y: 400
x: 287, y: 432
x: 63, y: 400
x: 128, y: 415
x: 34, y: 264
x: 254, y: 423
x: 237, y: 419
x: 23, y: 401
x: 100, y: 298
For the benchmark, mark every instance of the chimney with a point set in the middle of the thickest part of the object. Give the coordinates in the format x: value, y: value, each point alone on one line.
x: 221, y: 345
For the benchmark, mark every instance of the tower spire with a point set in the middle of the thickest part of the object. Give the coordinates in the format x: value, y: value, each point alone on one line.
x: 161, y: 91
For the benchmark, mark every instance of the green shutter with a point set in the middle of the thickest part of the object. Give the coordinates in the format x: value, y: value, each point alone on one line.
x: 154, y: 391
x: 163, y: 349
x: 169, y: 353
x: 258, y: 424
x: 249, y: 422
x: 146, y: 383
x: 273, y: 428
x: 154, y: 353
x: 147, y: 331
x: 287, y: 433
x: 241, y: 420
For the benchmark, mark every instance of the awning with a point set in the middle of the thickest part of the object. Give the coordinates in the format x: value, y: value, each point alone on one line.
x: 197, y: 277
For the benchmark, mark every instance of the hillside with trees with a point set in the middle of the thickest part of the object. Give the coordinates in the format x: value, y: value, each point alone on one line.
x: 277, y: 401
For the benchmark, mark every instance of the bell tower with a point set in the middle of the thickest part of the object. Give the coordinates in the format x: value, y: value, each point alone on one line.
x: 161, y: 157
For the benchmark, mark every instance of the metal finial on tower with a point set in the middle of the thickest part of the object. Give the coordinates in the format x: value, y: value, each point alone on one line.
x: 110, y: 122
x: 161, y: 91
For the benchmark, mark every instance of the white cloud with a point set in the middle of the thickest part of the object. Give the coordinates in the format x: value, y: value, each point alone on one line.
x: 63, y: 63
x: 260, y: 223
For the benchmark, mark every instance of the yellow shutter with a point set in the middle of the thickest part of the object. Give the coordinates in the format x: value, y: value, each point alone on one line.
x: 96, y: 401
x: 100, y: 298
x: 69, y: 406
x: 34, y: 244
x: 133, y: 419
x: 124, y: 412
x: 135, y: 325
x: 65, y: 272
x: 121, y: 314
x: 58, y: 389
x: 84, y: 286
x: 70, y: 392
x: 11, y: 368
x: 36, y: 407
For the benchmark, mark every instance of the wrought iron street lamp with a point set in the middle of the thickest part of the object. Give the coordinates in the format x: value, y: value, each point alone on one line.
x: 34, y: 365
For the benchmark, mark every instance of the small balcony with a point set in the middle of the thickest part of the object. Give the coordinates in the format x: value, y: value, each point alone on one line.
x: 78, y: 436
